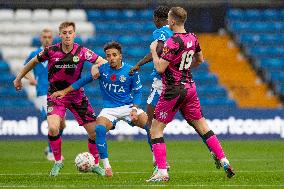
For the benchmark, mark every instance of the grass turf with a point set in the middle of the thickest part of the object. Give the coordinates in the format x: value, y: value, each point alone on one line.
x: 258, y: 164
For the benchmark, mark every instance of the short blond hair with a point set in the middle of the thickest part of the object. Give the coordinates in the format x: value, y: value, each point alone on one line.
x: 66, y: 24
x: 178, y: 14
x: 46, y: 30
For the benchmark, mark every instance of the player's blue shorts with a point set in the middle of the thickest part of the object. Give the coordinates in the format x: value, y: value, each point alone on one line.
x: 155, y: 92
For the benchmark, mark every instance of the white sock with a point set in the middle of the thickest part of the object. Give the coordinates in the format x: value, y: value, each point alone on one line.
x: 59, y: 161
x: 224, y: 160
x: 106, y: 163
x: 163, y: 171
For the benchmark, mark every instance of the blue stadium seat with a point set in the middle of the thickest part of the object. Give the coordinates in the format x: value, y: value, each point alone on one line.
x: 280, y: 89
x: 36, y: 42
x: 211, y: 92
x: 4, y: 67
x: 208, y: 79
x: 130, y: 15
x: 271, y: 64
x: 99, y: 40
x: 95, y: 15
x: 253, y: 14
x: 103, y: 27
x: 271, y: 14
x: 235, y: 14
x: 7, y: 77
x: 238, y: 26
x: 218, y: 102
x: 145, y: 14
x: 256, y: 27
x: 129, y: 40
x: 99, y: 51
x: 277, y: 76
x: 112, y: 14
x: 281, y: 14
x: 137, y: 52
x: 260, y: 51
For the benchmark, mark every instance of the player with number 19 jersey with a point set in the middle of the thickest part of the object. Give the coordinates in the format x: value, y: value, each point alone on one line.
x: 179, y: 91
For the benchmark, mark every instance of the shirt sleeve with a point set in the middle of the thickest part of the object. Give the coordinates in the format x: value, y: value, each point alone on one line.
x: 136, y: 83
x: 43, y: 55
x: 169, y: 50
x: 197, y: 45
x: 83, y: 81
x: 159, y: 36
x: 137, y: 89
x: 90, y: 55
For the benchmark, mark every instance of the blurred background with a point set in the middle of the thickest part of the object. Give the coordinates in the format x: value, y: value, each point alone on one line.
x: 240, y: 85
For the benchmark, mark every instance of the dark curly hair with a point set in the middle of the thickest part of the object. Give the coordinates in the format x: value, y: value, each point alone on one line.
x: 113, y: 45
x: 161, y: 12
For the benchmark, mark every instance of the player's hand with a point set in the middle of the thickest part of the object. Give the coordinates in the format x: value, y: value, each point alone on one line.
x: 133, y: 69
x: 133, y: 116
x: 58, y: 94
x: 32, y: 82
x: 95, y: 71
x: 153, y: 45
x: 17, y: 84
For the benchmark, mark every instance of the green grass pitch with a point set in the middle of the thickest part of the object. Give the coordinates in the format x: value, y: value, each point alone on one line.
x: 258, y: 164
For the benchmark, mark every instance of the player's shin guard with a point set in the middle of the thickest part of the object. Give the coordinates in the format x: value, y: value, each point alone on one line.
x: 49, y: 147
x: 94, y: 150
x: 214, y: 144
x: 55, y: 143
x: 101, y: 141
x: 159, y: 150
x: 147, y: 129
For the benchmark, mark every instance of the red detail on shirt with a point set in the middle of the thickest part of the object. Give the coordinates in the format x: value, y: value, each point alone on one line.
x: 113, y: 77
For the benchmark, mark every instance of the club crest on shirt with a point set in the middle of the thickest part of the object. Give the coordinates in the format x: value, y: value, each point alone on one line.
x: 75, y: 59
x: 163, y: 115
x: 88, y: 55
x: 166, y: 50
x: 49, y: 109
x: 122, y: 78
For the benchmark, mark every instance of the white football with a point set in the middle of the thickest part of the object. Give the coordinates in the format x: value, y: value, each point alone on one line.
x: 84, y: 162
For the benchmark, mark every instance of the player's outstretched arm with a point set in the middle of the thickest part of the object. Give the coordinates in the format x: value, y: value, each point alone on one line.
x: 148, y: 58
x: 28, y: 67
x: 75, y: 86
x: 31, y: 78
x: 83, y: 81
x: 62, y: 93
x: 100, y: 61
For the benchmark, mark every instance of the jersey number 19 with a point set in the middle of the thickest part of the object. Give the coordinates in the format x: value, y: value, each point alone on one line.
x: 186, y: 60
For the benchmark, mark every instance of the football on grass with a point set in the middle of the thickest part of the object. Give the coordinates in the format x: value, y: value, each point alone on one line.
x: 84, y: 162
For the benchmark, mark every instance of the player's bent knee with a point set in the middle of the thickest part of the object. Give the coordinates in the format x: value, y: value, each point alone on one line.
x: 142, y: 120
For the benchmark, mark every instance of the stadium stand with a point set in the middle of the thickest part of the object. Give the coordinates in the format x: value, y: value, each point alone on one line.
x: 235, y: 72
x: 260, y: 32
x: 132, y: 28
x: 16, y: 39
